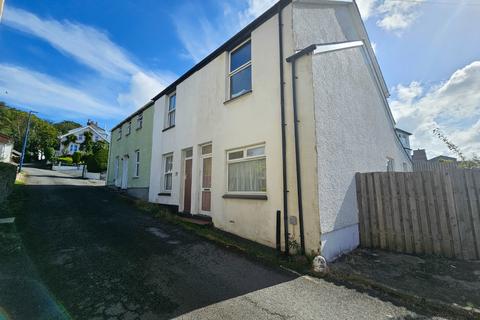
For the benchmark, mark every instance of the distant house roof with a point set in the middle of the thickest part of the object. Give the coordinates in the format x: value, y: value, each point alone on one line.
x: 102, y: 134
x: 4, y: 139
x: 443, y: 158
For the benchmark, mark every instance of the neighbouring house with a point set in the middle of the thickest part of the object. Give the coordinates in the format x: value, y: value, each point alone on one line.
x: 6, y: 148
x: 404, y: 137
x: 280, y: 117
x: 98, y: 134
x: 130, y: 153
x: 421, y: 163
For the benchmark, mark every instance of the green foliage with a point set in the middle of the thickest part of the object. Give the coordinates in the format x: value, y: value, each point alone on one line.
x: 66, y: 160
x: 98, y: 161
x: 49, y: 153
x: 43, y: 134
x: 465, y: 163
x: 87, y: 144
x: 77, y: 157
x: 65, y: 126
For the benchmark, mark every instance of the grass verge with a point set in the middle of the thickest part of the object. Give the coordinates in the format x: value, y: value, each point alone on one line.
x: 250, y: 249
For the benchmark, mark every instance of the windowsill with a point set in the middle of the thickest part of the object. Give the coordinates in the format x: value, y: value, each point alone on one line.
x: 237, y: 97
x: 168, y: 128
x: 138, y: 128
x: 245, y: 196
x: 137, y: 177
x: 166, y: 194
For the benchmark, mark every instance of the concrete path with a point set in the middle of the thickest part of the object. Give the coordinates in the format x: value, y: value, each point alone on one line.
x: 100, y: 258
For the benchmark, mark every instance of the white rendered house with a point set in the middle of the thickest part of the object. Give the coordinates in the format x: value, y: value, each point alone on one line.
x: 279, y: 118
x: 98, y: 134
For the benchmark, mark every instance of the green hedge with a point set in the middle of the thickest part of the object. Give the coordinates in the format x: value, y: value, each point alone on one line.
x: 8, y: 173
x: 98, y: 162
x: 66, y: 160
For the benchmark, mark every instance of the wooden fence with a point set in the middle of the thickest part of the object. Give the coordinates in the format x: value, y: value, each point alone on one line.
x: 433, y: 166
x: 435, y: 212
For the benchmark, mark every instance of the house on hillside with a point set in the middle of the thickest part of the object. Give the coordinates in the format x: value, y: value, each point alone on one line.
x: 6, y: 148
x: 98, y: 134
x: 280, y: 117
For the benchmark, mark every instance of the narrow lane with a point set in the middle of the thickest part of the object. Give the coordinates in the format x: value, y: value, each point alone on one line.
x: 101, y: 258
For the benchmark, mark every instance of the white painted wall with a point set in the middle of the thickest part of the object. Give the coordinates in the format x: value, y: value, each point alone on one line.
x: 6, y: 152
x: 353, y: 126
x: 202, y: 116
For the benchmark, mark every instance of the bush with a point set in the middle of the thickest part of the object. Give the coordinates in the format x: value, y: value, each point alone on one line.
x: 98, y: 162
x: 77, y: 157
x: 49, y: 153
x: 66, y: 160
x: 8, y: 173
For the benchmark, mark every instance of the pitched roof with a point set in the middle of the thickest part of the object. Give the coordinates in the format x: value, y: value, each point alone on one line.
x: 4, y: 139
x: 227, y: 46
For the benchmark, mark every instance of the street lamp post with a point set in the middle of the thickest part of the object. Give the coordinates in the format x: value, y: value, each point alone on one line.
x: 25, y: 141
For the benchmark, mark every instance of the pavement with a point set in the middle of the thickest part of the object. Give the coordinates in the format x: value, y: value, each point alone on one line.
x: 93, y: 255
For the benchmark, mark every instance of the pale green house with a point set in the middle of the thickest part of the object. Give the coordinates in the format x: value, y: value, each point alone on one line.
x: 130, y: 153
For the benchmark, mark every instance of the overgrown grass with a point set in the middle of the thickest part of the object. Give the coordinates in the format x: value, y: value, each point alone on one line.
x: 249, y: 248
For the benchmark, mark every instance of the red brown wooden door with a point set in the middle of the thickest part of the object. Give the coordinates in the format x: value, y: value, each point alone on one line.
x: 187, y: 198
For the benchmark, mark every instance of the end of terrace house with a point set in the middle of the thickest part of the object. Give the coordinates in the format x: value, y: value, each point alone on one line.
x: 280, y: 117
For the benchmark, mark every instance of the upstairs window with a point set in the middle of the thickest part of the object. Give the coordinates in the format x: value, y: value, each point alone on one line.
x: 172, y: 105
x: 140, y: 121
x: 119, y: 133
x: 241, y: 70
x: 129, y: 128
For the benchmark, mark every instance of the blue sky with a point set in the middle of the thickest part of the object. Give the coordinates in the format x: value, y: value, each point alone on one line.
x: 75, y: 60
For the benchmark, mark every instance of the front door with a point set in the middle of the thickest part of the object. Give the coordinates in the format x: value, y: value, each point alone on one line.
x: 187, y: 192
x: 125, y: 172
x: 206, y: 179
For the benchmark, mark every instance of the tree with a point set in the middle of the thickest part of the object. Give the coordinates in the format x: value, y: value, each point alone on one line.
x: 49, y: 154
x: 65, y: 126
x: 76, y: 157
x: 98, y: 161
x: 474, y: 162
x: 87, y: 144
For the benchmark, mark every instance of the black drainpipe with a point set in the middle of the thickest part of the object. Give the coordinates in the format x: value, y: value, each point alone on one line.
x: 283, y: 125
x: 292, y: 60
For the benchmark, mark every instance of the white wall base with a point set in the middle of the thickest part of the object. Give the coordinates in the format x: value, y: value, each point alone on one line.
x: 338, y: 242
x: 92, y: 175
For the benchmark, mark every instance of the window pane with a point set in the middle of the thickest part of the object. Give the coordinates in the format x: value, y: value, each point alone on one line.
x: 241, y: 82
x: 172, y: 102
x: 207, y: 149
x: 138, y: 156
x: 168, y: 181
x: 168, y: 164
x: 189, y: 153
x: 240, y: 56
x: 247, y: 176
x: 258, y: 151
x: 171, y: 118
x: 207, y: 173
x: 235, y: 155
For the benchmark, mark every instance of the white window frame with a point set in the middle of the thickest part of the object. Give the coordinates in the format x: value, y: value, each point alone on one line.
x: 165, y: 172
x: 140, y: 121
x: 137, y: 163
x: 170, y: 112
x: 244, y: 159
x: 241, y: 68
x: 129, y: 128
x: 119, y: 133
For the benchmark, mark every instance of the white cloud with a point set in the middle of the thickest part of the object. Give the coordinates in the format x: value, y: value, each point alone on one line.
x: 391, y: 15
x: 453, y: 106
x: 94, y: 49
x: 200, y: 36
x: 49, y: 95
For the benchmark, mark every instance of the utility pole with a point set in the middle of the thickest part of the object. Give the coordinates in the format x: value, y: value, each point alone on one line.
x: 25, y: 141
